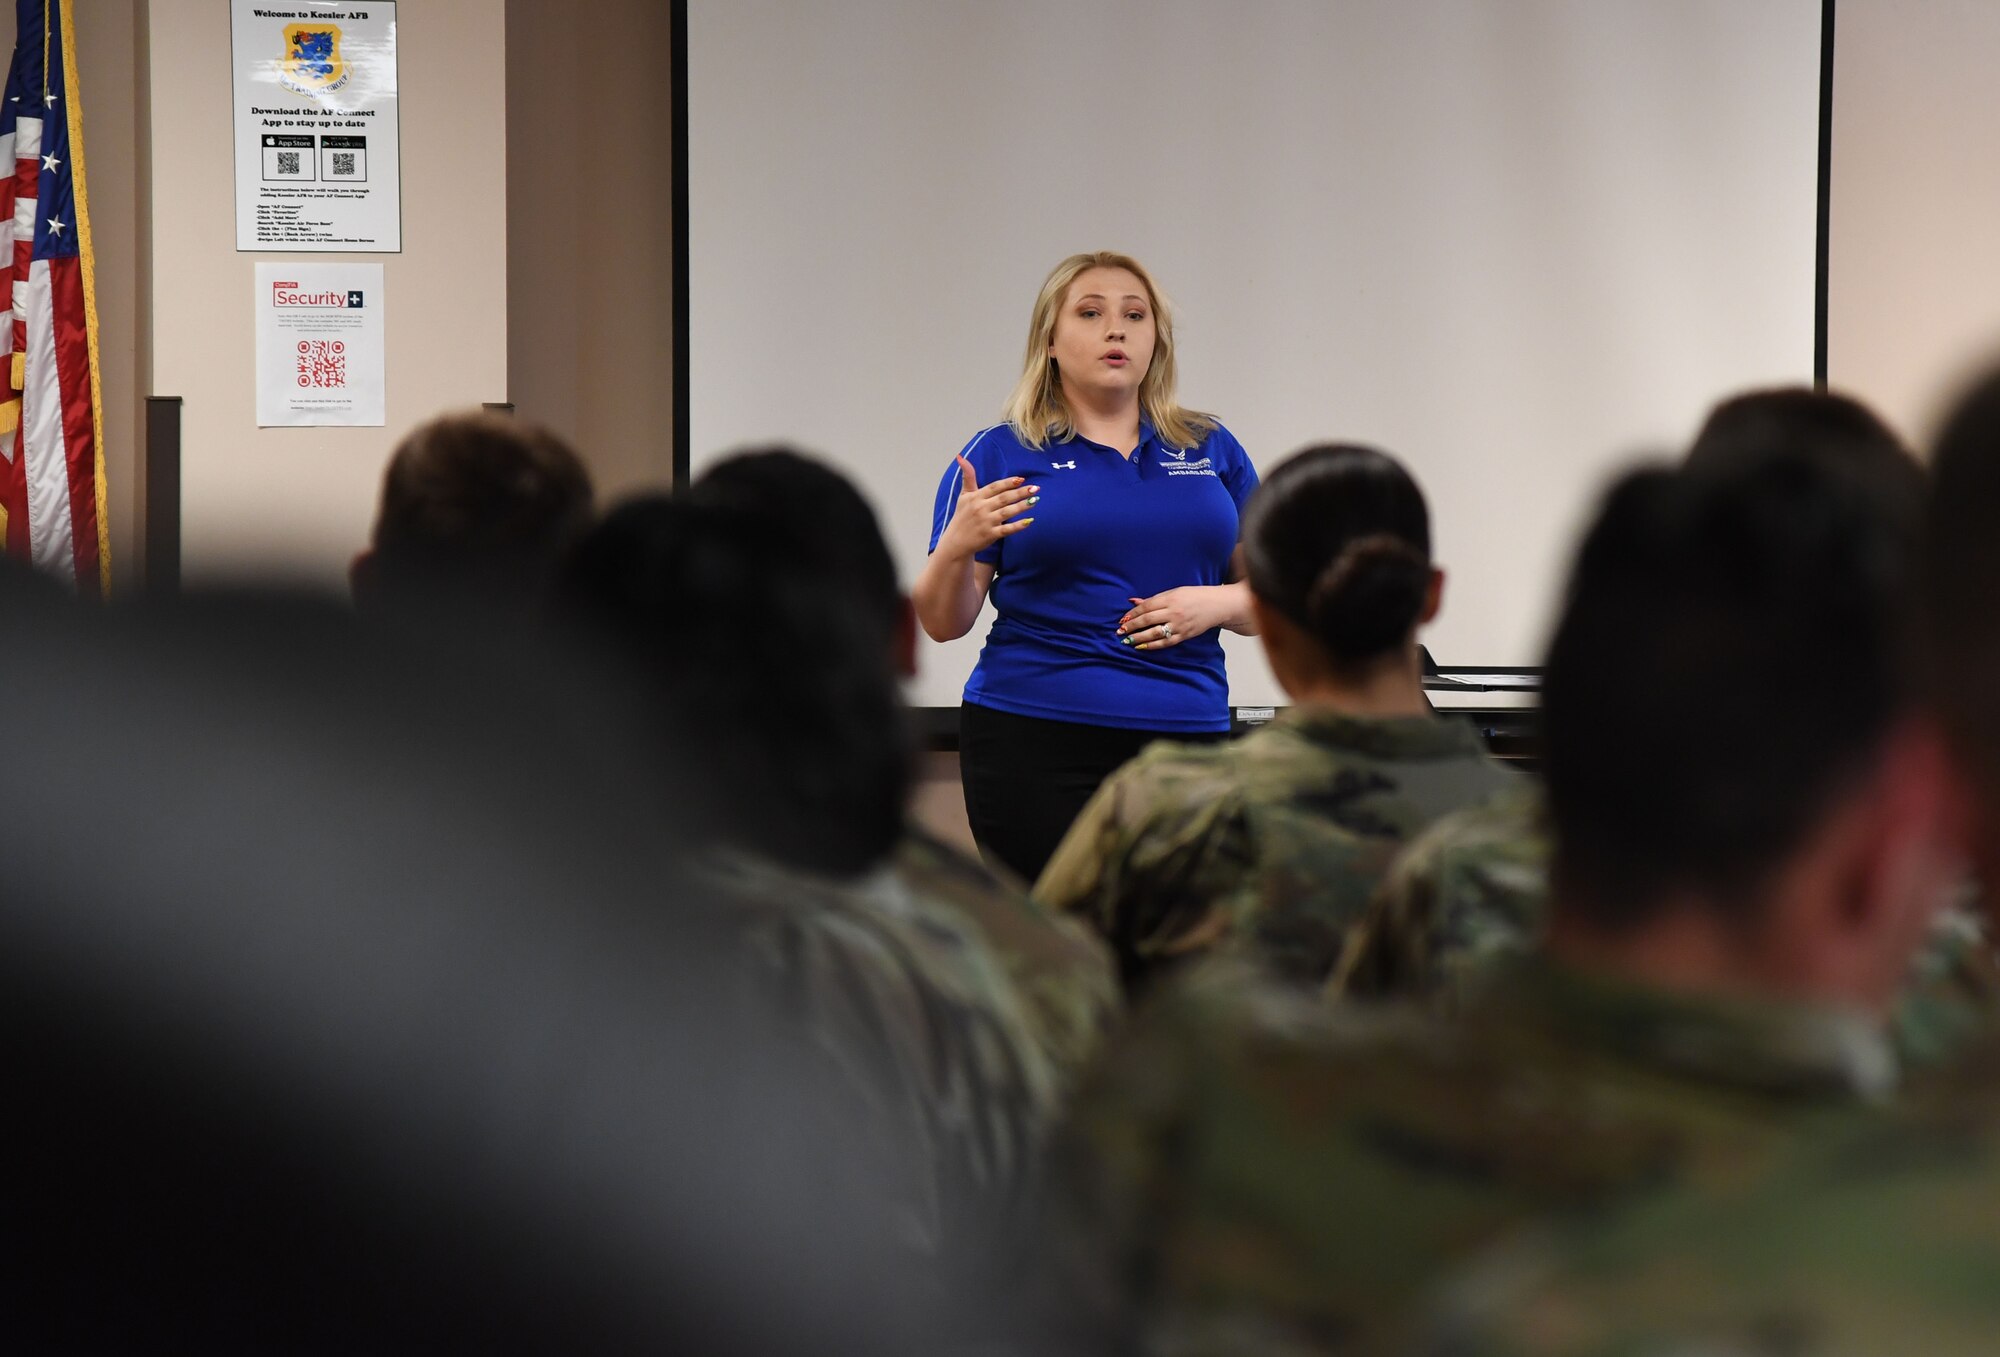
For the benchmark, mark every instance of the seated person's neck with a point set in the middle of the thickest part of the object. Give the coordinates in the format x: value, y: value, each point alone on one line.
x: 1391, y: 687
x: 1689, y: 947
x: 1835, y: 922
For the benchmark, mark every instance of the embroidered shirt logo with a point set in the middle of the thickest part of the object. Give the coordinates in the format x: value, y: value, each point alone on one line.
x: 1063, y: 466
x: 1177, y: 464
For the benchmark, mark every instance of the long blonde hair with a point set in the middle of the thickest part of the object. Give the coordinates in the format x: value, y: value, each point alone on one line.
x: 1037, y: 410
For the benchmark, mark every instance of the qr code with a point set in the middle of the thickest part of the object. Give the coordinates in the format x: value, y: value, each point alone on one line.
x: 343, y: 162
x: 322, y: 363
x: 288, y: 162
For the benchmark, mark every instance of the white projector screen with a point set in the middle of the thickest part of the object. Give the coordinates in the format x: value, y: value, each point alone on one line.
x: 1518, y: 244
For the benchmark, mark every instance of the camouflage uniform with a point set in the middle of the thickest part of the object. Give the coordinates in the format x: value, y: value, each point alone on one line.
x: 949, y: 1063
x: 1272, y: 842
x: 1061, y: 970
x: 1252, y: 1171
x: 1952, y: 1002
x: 1472, y: 891
x: 1883, y: 1239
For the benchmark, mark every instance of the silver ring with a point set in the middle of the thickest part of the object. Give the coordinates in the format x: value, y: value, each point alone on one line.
x: 1166, y: 629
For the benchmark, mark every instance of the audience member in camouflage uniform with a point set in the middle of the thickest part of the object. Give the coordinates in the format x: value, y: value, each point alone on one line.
x: 771, y: 647
x: 1470, y: 895
x: 1880, y: 1239
x: 1275, y: 842
x: 1472, y: 889
x: 1742, y: 878
x: 915, y: 1010
x: 1063, y: 973
x: 1887, y: 1241
x: 1060, y: 969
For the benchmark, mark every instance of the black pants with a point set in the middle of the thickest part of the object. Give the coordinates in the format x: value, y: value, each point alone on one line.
x: 1026, y: 779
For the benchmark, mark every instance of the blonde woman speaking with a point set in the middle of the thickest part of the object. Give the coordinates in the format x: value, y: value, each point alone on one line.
x: 1101, y: 518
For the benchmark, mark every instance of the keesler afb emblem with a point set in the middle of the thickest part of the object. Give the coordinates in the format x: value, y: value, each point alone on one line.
x: 313, y: 64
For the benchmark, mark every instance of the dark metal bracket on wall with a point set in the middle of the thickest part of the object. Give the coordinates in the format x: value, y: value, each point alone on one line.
x: 160, y: 508
x: 1823, y: 227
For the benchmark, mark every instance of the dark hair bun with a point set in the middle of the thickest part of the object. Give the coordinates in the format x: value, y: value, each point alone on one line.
x: 1369, y: 597
x: 1337, y: 539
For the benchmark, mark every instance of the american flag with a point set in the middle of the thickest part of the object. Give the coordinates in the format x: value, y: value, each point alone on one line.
x: 51, y: 413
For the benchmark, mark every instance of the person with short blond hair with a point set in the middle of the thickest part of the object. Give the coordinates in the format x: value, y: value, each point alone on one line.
x: 1101, y: 519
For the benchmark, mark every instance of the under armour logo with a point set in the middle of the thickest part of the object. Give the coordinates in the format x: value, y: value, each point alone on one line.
x: 1063, y: 466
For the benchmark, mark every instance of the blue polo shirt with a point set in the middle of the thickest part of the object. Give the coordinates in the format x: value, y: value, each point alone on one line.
x: 1108, y: 529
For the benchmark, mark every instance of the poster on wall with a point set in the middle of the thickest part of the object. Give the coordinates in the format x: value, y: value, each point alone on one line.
x: 320, y: 358
x: 318, y: 153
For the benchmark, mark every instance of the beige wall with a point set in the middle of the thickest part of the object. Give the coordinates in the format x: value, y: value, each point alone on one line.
x: 579, y: 334
x: 107, y: 40
x: 1914, y: 255
x: 297, y: 503
x: 1914, y: 290
x: 590, y: 258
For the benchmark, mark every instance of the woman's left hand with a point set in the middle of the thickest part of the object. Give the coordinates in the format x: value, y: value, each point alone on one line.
x: 1179, y: 614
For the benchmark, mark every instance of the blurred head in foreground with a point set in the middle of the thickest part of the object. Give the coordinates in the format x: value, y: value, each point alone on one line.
x: 335, y: 1024
x: 1833, y: 426
x: 476, y: 508
x: 1961, y: 607
x: 769, y: 642
x: 819, y: 509
x: 1742, y: 793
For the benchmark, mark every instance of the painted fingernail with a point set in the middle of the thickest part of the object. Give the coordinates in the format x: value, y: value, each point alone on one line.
x: 1124, y: 640
x: 1033, y: 500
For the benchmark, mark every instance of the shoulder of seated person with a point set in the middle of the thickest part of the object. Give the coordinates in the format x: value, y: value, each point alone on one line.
x: 999, y: 906
x: 1167, y: 755
x: 1170, y: 775
x: 926, y: 862
x: 1265, y: 761
x: 1507, y: 826
x: 1230, y: 1001
x: 920, y: 850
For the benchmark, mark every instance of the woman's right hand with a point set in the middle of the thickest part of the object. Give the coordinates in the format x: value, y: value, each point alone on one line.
x: 986, y: 514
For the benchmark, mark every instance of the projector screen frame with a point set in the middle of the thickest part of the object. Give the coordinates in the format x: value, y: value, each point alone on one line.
x: 934, y: 719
